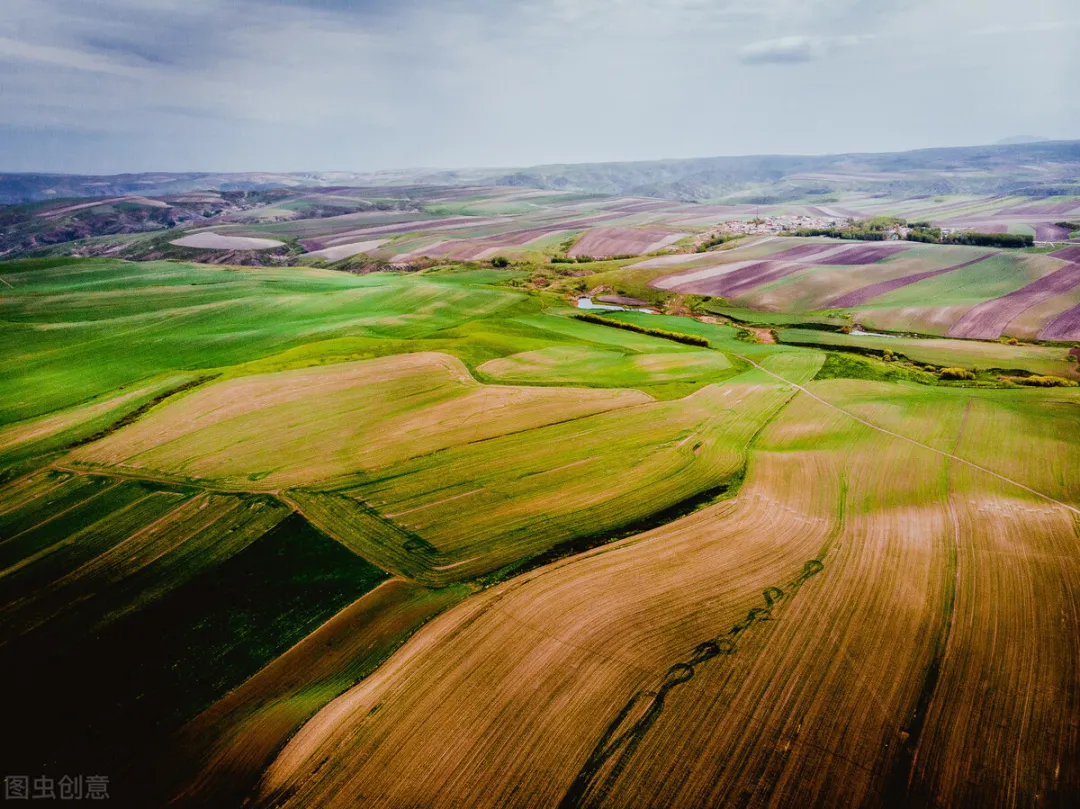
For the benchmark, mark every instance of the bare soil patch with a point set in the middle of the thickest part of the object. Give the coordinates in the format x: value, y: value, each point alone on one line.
x: 1068, y: 254
x: 622, y: 300
x: 213, y: 241
x: 343, y: 251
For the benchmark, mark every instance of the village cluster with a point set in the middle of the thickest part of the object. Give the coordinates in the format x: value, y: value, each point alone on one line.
x: 775, y: 225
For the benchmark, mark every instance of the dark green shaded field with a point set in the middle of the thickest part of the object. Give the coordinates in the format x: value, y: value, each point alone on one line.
x: 100, y: 697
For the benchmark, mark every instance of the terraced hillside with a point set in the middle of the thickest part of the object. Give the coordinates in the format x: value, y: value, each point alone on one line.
x: 288, y: 537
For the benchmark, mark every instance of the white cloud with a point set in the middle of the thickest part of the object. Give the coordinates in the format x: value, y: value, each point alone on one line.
x: 785, y: 50
x: 796, y: 49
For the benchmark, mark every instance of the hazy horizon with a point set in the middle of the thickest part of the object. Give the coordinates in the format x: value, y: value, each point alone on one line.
x: 119, y: 86
x: 480, y: 168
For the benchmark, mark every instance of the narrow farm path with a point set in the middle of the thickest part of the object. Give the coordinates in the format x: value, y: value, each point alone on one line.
x: 943, y: 453
x: 124, y: 474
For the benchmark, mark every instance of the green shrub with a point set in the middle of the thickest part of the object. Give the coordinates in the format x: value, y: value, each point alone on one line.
x: 678, y: 337
x: 1044, y: 381
x: 500, y: 261
x: 715, y: 241
x: 956, y: 373
x: 847, y: 366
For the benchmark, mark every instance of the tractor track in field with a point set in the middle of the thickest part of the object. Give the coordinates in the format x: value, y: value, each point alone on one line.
x: 917, y: 443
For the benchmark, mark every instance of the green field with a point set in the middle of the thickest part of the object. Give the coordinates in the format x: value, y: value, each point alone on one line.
x: 571, y: 365
x: 942, y: 352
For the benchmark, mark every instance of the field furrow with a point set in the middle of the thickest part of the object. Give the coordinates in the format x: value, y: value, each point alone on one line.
x: 1009, y: 680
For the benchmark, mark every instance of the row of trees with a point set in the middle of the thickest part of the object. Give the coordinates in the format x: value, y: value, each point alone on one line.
x: 932, y: 235
x: 881, y: 228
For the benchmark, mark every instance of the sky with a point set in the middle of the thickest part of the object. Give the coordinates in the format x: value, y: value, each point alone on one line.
x: 111, y: 86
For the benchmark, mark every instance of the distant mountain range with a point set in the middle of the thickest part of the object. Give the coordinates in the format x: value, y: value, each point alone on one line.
x: 1031, y: 168
x: 1022, y: 139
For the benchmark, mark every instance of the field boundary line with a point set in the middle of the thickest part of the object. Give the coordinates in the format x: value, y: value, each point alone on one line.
x: 284, y: 498
x: 432, y: 505
x: 887, y: 431
x: 123, y: 474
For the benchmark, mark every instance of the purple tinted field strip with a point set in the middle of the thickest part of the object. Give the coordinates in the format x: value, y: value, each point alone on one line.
x: 866, y: 293
x: 743, y: 280
x: 1058, y: 208
x: 1068, y: 254
x: 1051, y: 233
x: 868, y: 254
x: 1065, y: 326
x: 616, y: 241
x: 988, y: 320
x: 801, y: 251
x: 419, y: 226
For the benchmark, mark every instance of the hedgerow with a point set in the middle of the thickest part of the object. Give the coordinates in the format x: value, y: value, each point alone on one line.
x: 678, y: 337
